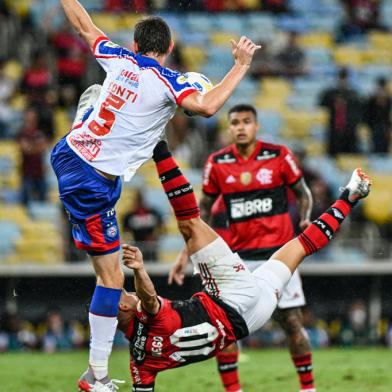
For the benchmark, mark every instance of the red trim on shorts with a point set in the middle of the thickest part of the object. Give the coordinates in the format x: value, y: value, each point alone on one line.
x: 98, y: 248
x: 94, y: 229
x: 98, y: 243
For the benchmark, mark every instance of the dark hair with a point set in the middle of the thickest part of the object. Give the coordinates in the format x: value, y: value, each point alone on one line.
x: 243, y: 108
x: 152, y: 34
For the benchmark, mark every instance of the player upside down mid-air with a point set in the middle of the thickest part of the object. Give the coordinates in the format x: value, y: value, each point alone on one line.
x: 253, y: 178
x: 166, y: 334
x: 128, y: 116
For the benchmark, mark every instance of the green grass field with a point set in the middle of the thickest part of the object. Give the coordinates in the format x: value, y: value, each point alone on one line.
x: 346, y: 370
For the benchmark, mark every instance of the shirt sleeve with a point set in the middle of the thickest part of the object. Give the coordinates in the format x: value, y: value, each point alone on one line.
x: 290, y: 169
x: 176, y: 83
x: 210, y: 178
x: 107, y: 53
x: 146, y: 318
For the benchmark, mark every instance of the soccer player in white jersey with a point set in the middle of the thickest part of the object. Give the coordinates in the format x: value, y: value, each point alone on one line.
x: 138, y: 97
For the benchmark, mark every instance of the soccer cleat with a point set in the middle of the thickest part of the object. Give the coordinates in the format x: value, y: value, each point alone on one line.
x: 308, y: 390
x: 86, y: 381
x: 86, y: 103
x: 358, y: 186
x: 107, y: 387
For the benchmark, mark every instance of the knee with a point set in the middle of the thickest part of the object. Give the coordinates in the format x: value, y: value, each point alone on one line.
x: 108, y: 271
x: 111, y: 278
x: 291, y: 322
x: 230, y: 349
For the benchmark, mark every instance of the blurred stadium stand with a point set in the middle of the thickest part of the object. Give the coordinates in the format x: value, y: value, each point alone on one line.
x: 33, y: 238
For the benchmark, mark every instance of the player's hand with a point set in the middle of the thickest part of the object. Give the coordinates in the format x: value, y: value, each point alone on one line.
x: 132, y: 257
x: 303, y: 224
x: 177, y: 274
x: 244, y: 50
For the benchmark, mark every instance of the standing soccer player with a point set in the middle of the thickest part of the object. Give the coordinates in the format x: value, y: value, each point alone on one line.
x: 127, y: 118
x: 253, y: 177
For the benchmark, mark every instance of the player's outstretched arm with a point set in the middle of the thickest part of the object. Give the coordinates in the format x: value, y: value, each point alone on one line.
x: 81, y: 21
x: 209, y: 103
x: 145, y: 290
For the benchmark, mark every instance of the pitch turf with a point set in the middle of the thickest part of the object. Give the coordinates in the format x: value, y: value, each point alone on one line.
x: 345, y: 370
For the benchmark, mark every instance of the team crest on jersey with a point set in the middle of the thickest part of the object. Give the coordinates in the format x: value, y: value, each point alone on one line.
x: 111, y: 231
x: 264, y: 176
x: 246, y: 178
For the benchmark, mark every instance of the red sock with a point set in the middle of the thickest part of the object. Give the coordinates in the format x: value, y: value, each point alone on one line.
x: 321, y: 231
x: 178, y: 190
x: 228, y: 370
x: 303, y: 364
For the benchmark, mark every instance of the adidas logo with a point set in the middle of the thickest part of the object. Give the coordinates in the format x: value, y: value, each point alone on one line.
x: 230, y: 179
x: 337, y: 213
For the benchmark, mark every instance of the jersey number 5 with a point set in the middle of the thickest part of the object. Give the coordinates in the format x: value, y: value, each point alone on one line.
x: 112, y: 101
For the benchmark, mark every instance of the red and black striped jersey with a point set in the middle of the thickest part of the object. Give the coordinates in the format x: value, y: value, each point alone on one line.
x: 181, y: 333
x: 254, y: 191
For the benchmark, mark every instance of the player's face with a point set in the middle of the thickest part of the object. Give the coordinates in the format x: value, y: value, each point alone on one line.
x: 243, y: 127
x: 127, y: 305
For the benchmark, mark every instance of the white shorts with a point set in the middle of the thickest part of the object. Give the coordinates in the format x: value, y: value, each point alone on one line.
x: 253, y: 295
x: 293, y: 295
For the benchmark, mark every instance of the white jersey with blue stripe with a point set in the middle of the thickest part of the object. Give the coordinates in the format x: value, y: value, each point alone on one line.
x: 137, y: 100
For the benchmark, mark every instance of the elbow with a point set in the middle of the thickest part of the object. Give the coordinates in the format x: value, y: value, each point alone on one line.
x: 208, y: 111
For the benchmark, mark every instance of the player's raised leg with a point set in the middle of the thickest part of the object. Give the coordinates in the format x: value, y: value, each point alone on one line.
x: 223, y: 273
x: 197, y: 234
x: 321, y: 231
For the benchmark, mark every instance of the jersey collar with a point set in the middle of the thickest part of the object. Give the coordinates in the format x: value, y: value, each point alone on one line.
x: 252, y: 156
x: 145, y: 61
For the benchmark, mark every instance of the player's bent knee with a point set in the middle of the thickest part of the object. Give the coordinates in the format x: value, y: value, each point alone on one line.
x: 231, y: 348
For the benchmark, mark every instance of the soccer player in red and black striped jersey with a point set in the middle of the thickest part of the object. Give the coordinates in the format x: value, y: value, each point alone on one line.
x: 253, y: 179
x: 166, y: 334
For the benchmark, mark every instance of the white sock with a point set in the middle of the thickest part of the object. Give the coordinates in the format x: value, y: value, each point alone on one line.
x: 102, y: 330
